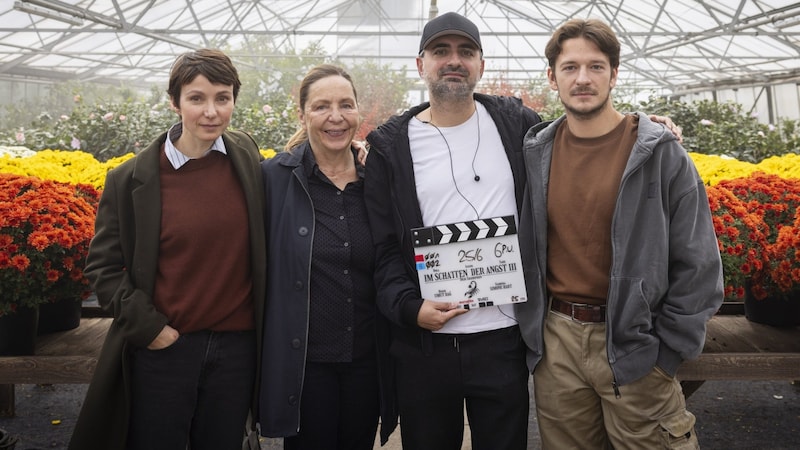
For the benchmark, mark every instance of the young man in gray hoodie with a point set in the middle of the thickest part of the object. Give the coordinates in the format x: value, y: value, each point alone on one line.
x: 623, y: 269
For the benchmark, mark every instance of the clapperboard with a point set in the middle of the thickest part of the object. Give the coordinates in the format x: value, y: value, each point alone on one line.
x: 475, y: 263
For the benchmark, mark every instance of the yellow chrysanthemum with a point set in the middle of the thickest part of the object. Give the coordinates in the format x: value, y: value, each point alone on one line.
x: 715, y: 168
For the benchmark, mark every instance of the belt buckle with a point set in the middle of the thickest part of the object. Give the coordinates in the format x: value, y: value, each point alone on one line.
x: 572, y: 313
x: 583, y: 307
x: 572, y: 307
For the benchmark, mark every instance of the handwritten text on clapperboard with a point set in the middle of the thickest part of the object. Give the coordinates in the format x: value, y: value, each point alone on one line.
x: 475, y: 263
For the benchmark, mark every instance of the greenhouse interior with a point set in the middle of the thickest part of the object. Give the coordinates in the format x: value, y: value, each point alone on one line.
x: 741, y: 51
x: 83, y: 91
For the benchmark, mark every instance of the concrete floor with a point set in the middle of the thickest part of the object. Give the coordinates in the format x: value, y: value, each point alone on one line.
x: 730, y: 416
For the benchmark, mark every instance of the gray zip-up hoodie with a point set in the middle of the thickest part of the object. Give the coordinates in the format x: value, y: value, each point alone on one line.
x: 666, y: 272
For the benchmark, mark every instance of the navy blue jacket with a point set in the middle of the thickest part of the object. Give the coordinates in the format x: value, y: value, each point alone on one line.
x: 290, y: 236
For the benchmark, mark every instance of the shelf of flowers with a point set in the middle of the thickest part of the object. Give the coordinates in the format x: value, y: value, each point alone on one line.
x: 754, y: 208
x: 48, y: 200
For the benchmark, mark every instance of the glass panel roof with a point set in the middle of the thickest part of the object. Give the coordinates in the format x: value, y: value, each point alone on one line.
x: 669, y: 46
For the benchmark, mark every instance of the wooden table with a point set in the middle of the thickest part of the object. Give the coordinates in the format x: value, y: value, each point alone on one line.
x: 735, y: 349
x: 61, y: 358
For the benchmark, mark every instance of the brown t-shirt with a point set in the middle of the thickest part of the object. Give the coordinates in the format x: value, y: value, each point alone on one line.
x: 584, y: 183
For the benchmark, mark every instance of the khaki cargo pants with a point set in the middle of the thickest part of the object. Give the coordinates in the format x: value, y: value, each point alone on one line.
x: 578, y: 408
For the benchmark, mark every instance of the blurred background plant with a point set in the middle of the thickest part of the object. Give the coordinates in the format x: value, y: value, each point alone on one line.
x: 725, y: 129
x: 109, y: 121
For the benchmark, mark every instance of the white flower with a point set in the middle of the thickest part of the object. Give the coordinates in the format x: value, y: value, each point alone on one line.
x: 16, y: 151
x: 706, y: 122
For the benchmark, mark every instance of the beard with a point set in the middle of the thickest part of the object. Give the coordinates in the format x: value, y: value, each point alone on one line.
x: 582, y: 114
x: 443, y: 89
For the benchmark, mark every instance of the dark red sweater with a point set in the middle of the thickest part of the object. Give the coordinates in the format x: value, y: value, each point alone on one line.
x: 204, y: 279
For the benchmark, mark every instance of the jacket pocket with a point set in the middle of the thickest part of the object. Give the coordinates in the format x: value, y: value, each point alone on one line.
x: 629, y: 317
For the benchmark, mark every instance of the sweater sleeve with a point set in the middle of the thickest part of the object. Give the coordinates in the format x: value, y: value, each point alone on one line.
x: 695, y: 272
x: 106, y: 267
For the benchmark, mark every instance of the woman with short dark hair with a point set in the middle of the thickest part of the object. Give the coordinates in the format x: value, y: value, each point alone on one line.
x: 178, y: 261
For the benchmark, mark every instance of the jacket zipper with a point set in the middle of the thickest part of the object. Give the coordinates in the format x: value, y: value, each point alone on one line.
x: 625, y: 175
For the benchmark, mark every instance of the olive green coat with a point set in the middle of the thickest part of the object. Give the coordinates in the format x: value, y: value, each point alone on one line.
x: 122, y: 267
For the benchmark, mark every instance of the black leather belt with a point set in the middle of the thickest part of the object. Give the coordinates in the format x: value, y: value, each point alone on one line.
x: 579, y: 312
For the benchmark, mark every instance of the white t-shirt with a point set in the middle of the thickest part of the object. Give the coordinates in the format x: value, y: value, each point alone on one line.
x: 445, y: 174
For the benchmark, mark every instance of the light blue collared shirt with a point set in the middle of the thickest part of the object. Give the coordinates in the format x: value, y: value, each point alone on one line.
x: 178, y: 159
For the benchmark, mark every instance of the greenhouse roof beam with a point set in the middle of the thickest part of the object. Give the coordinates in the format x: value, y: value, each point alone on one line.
x: 667, y: 44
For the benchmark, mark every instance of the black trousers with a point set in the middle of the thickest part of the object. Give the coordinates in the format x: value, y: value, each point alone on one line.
x: 485, y: 370
x: 197, y: 391
x: 339, y: 407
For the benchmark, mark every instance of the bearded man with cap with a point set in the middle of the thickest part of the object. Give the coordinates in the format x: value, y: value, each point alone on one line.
x: 455, y: 159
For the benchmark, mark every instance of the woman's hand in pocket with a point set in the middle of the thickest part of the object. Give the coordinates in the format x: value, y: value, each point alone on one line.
x: 165, y: 338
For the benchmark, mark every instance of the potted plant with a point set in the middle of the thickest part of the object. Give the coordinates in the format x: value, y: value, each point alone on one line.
x: 45, y: 229
x: 775, y: 200
x: 741, y: 238
x: 784, y: 268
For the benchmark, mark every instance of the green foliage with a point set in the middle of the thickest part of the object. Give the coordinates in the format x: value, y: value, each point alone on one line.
x: 61, y: 99
x: 271, y: 125
x: 535, y: 93
x: 724, y: 129
x: 105, y: 130
x: 382, y: 93
x: 111, y: 121
x: 270, y: 75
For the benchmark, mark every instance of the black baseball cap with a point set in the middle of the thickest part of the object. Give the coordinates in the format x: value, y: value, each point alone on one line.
x: 446, y: 24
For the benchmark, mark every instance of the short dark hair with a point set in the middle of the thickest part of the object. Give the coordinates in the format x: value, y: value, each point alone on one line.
x: 593, y: 30
x: 212, y: 64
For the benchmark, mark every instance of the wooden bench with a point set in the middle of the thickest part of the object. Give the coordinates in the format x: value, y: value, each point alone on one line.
x: 735, y: 349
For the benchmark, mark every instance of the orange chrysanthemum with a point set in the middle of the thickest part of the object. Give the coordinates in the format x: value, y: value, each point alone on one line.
x: 45, y: 229
x: 769, y: 218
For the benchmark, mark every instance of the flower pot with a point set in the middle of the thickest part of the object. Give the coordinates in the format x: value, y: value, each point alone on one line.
x: 18, y: 332
x: 778, y: 311
x: 62, y: 315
